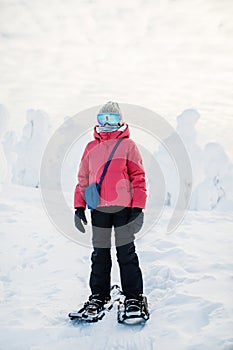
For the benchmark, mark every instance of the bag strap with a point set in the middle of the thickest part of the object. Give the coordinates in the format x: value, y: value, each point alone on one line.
x: 108, y: 163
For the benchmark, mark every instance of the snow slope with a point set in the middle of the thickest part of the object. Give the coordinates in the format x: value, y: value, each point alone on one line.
x: 188, y: 281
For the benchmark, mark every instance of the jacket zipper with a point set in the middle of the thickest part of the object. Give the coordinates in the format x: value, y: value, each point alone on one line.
x: 106, y: 183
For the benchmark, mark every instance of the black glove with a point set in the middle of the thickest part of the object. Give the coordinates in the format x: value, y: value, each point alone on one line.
x: 80, y: 216
x: 136, y: 220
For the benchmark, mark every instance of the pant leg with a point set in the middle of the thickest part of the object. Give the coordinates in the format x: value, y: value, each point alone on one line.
x: 123, y: 234
x: 100, y: 280
x: 130, y: 272
x: 102, y: 223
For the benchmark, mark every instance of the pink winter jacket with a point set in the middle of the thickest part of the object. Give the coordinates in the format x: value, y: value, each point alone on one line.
x: 124, y: 183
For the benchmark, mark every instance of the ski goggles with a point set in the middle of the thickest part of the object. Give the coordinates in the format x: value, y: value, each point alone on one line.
x: 108, y: 118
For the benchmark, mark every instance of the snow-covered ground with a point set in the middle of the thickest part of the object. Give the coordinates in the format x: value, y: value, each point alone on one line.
x: 188, y: 281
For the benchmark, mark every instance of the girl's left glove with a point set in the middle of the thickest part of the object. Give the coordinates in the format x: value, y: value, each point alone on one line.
x: 80, y: 217
x: 136, y: 220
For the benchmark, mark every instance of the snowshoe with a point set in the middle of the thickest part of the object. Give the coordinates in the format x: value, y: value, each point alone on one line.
x: 95, y: 308
x: 133, y: 310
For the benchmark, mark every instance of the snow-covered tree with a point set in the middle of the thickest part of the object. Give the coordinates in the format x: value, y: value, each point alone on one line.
x: 30, y: 148
x: 3, y: 127
x: 186, y: 123
x: 216, y: 191
x: 4, y: 118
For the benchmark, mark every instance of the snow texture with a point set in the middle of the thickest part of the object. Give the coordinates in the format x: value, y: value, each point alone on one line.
x: 44, y: 276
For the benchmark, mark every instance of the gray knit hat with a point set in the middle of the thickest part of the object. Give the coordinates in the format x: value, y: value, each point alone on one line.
x: 111, y: 107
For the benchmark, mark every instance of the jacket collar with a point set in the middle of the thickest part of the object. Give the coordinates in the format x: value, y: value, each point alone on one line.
x: 123, y: 132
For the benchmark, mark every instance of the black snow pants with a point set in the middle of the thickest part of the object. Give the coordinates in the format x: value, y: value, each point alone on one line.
x: 103, y: 220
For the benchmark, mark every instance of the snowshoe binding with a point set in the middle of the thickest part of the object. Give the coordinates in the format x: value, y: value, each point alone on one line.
x: 95, y: 308
x: 133, y: 310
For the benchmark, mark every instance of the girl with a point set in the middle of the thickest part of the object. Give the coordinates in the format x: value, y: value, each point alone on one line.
x: 122, y: 199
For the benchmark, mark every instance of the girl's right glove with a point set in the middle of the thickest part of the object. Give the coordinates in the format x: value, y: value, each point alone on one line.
x: 136, y: 220
x: 80, y: 217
